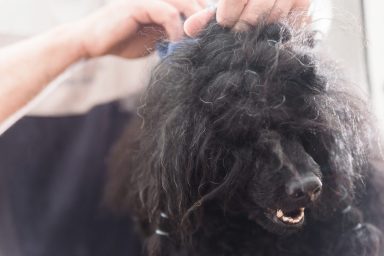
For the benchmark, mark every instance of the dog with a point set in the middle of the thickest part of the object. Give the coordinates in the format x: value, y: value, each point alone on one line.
x: 251, y: 143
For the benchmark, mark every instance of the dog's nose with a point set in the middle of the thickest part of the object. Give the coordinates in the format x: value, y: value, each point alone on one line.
x: 304, y: 188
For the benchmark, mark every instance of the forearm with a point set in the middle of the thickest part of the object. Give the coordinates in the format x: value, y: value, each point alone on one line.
x: 27, y: 68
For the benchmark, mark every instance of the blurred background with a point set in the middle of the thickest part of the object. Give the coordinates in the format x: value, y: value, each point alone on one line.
x: 356, y: 39
x: 374, y: 20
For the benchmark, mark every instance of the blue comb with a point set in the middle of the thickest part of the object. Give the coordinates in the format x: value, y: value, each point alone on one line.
x: 164, y: 48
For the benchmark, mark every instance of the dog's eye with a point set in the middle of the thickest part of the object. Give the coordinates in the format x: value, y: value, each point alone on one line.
x: 313, y: 146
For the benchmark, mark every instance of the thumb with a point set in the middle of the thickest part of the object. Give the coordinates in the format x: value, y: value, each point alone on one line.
x: 196, y: 22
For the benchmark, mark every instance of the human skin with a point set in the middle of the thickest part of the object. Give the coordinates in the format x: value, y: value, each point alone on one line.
x: 127, y: 29
x: 236, y: 13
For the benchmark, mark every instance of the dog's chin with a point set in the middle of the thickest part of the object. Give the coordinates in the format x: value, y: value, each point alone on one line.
x: 279, y: 222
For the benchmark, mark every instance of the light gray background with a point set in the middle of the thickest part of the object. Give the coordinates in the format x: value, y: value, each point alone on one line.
x: 360, y: 50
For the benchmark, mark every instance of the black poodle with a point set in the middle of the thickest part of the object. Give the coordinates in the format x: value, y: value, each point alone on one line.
x: 250, y: 144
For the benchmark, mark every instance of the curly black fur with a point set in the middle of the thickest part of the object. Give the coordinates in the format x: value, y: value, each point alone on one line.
x: 229, y: 118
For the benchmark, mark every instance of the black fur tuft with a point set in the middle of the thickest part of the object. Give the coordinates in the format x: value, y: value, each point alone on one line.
x: 228, y: 120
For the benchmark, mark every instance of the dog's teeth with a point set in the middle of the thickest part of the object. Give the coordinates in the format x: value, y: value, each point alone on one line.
x: 286, y: 219
x: 292, y: 220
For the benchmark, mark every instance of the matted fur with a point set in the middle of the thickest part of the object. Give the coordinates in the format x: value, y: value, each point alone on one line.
x: 227, y: 119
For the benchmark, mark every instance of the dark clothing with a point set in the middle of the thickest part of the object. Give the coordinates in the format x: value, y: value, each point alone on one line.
x: 53, y: 170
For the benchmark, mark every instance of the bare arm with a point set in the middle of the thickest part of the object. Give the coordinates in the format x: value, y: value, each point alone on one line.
x: 26, y: 68
x: 126, y: 29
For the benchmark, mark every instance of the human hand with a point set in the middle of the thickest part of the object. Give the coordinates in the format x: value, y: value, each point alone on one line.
x: 131, y: 28
x: 236, y: 13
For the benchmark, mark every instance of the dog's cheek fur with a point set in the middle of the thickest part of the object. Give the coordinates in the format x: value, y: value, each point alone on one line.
x: 209, y: 121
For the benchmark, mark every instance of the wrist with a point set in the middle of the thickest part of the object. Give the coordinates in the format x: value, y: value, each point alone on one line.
x: 69, y: 36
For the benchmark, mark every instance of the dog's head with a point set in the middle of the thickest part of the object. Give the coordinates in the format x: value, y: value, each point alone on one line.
x: 248, y: 124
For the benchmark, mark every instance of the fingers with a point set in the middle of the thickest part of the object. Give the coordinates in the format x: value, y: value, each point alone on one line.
x: 252, y: 12
x: 169, y: 18
x: 301, y: 5
x: 280, y: 9
x: 119, y: 26
x: 301, y: 8
x: 167, y: 14
x: 196, y: 22
x: 139, y: 46
x: 203, y: 3
x: 229, y: 11
x: 238, y: 13
x: 187, y: 7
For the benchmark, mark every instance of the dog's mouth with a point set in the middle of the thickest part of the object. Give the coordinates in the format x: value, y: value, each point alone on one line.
x: 294, y: 218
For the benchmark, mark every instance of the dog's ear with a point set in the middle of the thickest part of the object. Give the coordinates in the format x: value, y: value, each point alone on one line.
x: 120, y: 167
